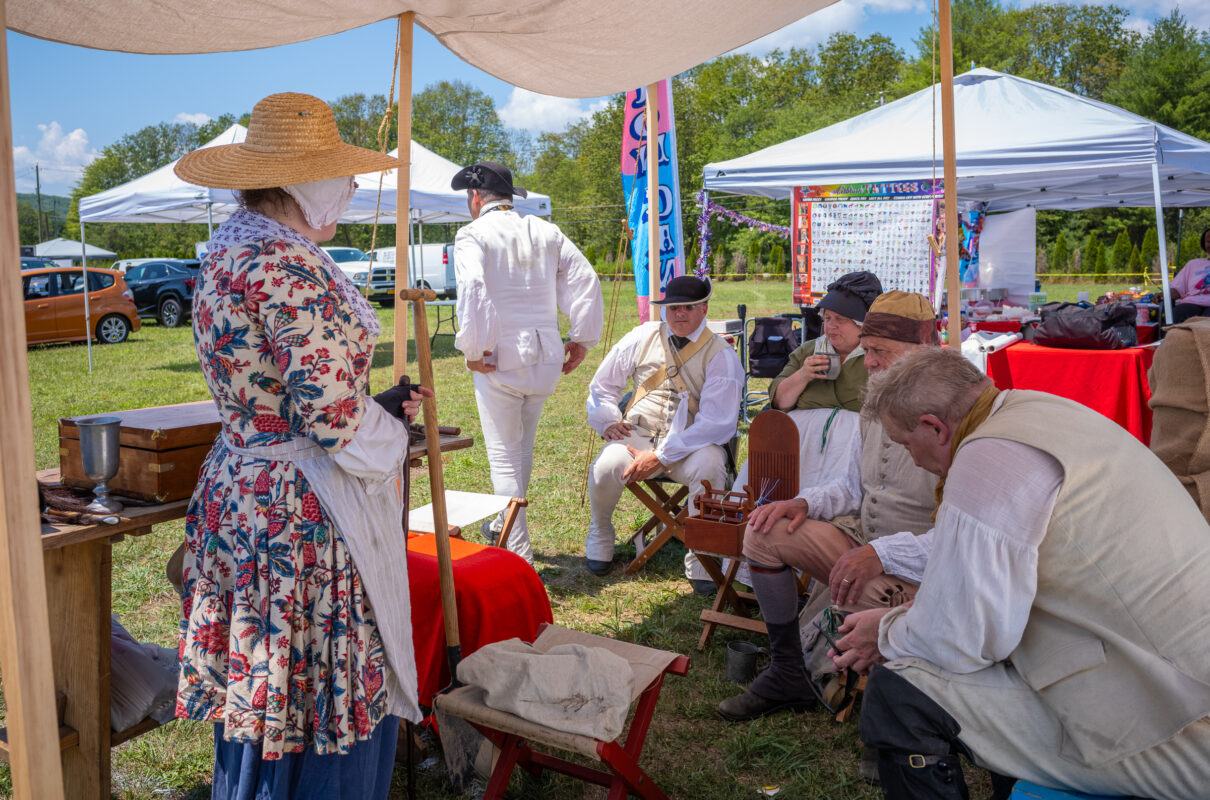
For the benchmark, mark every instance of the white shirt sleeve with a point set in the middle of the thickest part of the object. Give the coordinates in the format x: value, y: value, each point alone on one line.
x: 717, y: 415
x: 378, y: 452
x: 981, y: 578
x: 904, y: 554
x: 608, y: 383
x: 579, y: 296
x: 829, y: 470
x: 478, y: 321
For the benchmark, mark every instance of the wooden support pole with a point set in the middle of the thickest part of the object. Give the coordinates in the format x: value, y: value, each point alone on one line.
x: 403, y: 191
x: 653, y: 196
x: 953, y: 233
x: 25, y: 657
x: 432, y: 437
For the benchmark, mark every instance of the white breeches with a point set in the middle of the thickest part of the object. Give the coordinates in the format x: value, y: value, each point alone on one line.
x: 605, y: 487
x: 510, y: 402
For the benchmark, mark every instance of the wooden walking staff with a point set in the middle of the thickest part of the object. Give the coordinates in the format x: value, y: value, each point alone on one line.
x: 403, y: 191
x: 432, y: 444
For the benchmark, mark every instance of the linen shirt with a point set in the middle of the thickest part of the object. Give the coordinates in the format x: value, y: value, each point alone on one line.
x: 514, y: 274
x: 718, y: 407
x: 982, y: 575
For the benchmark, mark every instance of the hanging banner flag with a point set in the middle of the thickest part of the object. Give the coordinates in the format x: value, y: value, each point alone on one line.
x: 634, y: 186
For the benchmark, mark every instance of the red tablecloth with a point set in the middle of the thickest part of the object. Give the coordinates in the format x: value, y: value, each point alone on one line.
x: 499, y: 596
x: 1113, y: 382
x: 997, y: 325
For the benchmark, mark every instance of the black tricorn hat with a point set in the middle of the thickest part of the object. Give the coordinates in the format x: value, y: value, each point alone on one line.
x: 488, y: 176
x: 685, y: 290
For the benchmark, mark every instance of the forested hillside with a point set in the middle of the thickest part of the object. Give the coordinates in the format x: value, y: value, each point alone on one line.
x: 739, y: 103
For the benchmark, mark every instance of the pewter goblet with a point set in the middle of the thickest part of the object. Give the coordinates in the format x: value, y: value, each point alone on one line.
x: 99, y: 452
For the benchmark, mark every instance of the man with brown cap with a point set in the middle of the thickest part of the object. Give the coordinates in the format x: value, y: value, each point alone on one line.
x: 514, y: 275
x: 869, y: 561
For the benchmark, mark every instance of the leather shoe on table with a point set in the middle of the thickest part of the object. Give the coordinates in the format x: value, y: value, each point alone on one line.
x: 748, y: 706
x: 598, y: 568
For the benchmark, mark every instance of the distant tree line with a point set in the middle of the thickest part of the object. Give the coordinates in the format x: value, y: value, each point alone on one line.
x: 738, y: 103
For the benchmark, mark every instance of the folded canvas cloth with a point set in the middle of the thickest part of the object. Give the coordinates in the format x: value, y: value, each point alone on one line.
x: 142, y: 680
x: 570, y: 687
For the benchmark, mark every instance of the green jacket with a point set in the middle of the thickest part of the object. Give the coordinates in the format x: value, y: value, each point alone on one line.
x: 847, y: 391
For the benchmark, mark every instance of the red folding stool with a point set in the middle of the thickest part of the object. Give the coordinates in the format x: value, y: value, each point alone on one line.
x: 515, y: 737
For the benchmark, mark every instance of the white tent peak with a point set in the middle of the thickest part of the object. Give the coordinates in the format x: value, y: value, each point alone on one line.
x: 1019, y: 143
x: 69, y: 248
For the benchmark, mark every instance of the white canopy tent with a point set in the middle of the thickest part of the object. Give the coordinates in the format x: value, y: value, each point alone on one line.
x: 1021, y: 144
x: 160, y: 196
x: 578, y: 48
x: 432, y: 199
x: 70, y: 249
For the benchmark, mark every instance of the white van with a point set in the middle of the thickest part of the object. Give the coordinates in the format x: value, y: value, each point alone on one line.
x: 432, y: 268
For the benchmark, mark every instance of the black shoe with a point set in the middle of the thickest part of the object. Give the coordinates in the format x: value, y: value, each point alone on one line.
x: 748, y: 706
x: 489, y: 535
x: 598, y: 568
x: 702, y: 587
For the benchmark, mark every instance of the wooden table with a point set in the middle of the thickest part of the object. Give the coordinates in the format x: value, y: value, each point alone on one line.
x: 78, y: 561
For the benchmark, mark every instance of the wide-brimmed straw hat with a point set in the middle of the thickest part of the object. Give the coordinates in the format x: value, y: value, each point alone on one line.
x: 292, y: 138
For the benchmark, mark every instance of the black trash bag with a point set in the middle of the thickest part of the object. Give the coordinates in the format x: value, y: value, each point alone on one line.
x: 1109, y: 326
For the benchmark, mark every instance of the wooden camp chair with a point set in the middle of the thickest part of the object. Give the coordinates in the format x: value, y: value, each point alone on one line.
x: 773, y: 470
x: 467, y: 508
x: 516, y: 738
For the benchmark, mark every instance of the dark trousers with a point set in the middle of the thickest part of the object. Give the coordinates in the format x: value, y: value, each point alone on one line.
x: 1184, y: 311
x: 918, y: 742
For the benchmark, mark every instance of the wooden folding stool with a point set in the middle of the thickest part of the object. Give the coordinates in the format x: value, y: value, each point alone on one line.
x: 772, y: 475
x: 516, y: 737
x: 666, y: 509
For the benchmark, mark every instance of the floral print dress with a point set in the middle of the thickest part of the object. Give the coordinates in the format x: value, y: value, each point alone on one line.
x: 278, y: 640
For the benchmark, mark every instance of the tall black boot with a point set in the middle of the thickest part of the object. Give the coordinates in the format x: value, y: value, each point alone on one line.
x: 783, y: 684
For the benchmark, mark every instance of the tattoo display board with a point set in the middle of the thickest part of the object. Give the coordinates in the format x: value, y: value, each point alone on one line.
x: 882, y: 228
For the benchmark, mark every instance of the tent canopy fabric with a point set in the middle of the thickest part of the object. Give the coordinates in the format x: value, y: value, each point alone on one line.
x: 160, y: 196
x: 70, y: 248
x: 1019, y: 144
x: 570, y: 48
x: 432, y: 199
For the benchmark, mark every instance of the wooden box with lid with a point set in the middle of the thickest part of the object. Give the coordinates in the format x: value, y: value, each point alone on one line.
x: 162, y: 450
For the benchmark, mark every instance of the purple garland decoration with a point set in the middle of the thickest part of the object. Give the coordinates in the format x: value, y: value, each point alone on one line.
x: 711, y: 208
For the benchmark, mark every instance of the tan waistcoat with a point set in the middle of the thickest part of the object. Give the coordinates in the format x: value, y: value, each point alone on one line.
x: 1118, y: 641
x: 653, y: 412
x: 896, y: 495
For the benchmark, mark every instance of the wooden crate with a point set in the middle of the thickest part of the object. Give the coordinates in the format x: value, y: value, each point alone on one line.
x: 162, y: 450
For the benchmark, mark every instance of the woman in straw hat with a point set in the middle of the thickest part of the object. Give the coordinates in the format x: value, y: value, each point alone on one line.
x: 296, y: 622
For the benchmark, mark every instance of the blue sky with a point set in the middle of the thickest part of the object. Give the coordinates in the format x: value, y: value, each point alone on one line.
x: 68, y: 102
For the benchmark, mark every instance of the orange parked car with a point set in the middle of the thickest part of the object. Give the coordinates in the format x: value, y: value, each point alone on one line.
x: 54, y: 305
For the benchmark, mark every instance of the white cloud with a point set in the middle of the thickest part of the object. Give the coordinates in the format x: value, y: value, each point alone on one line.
x: 199, y: 118
x: 535, y: 112
x: 814, y: 29
x: 61, y: 157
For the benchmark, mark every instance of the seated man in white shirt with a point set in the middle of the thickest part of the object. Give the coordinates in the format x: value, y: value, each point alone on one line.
x: 684, y: 410
x: 872, y: 560
x: 1059, y: 632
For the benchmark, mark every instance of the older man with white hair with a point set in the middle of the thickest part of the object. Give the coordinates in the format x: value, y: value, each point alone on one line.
x: 1059, y: 633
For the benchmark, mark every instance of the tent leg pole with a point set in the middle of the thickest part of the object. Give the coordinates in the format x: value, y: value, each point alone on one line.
x: 403, y: 190
x: 653, y: 197
x: 1159, y: 228
x: 25, y: 655
x: 209, y: 220
x: 953, y: 233
x: 87, y: 310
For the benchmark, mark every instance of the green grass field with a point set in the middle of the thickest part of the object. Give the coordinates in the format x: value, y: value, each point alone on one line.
x: 690, y: 752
